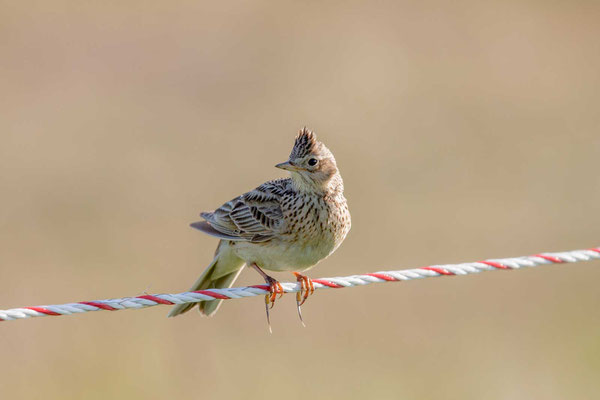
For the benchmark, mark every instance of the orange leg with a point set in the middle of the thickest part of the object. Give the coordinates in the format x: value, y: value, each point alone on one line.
x: 275, y: 288
x: 306, y: 289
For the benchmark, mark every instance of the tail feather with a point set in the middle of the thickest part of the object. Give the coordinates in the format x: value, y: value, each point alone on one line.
x: 221, y: 273
x: 209, y: 308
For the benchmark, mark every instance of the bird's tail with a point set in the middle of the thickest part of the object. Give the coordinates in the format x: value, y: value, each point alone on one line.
x: 221, y: 273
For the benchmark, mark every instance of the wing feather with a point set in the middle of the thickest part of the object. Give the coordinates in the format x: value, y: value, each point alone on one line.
x: 255, y: 216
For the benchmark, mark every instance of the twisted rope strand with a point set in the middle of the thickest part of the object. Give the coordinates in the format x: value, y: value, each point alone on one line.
x: 149, y: 300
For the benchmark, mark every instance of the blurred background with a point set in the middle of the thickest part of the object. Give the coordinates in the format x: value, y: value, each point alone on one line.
x: 463, y: 131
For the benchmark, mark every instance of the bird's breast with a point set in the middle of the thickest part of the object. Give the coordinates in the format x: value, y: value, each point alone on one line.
x: 315, y: 227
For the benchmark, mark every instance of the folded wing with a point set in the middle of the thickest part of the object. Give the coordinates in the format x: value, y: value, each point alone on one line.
x: 255, y: 216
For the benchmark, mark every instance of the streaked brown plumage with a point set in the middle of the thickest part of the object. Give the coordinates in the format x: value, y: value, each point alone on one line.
x: 282, y: 225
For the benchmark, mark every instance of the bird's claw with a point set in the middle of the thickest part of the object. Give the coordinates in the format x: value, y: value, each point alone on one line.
x: 275, y: 288
x: 306, y: 289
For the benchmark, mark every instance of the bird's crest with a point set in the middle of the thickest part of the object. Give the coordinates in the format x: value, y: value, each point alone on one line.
x: 306, y: 143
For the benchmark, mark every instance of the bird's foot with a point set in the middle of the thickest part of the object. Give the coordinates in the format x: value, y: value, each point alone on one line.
x: 306, y: 289
x: 275, y: 288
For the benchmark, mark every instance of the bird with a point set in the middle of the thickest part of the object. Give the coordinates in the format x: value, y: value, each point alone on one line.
x: 286, y: 224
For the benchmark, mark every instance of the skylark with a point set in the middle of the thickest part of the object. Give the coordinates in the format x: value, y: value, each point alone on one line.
x: 283, y: 225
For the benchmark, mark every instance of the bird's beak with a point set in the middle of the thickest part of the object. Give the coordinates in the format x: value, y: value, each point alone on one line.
x: 288, y: 166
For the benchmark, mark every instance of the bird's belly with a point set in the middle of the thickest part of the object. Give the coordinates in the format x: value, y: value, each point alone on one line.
x: 280, y: 255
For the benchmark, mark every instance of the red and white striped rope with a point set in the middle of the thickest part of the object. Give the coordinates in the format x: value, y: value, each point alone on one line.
x: 288, y: 287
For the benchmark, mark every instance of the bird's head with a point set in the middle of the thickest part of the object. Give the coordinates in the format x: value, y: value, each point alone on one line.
x: 311, y: 164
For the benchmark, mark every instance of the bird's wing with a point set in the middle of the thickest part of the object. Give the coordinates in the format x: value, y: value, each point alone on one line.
x: 255, y: 216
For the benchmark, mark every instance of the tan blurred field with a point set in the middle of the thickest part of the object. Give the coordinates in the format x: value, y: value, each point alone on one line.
x: 463, y: 130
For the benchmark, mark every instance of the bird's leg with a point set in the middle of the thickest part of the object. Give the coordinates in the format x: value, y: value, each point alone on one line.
x: 306, y: 289
x: 274, y: 289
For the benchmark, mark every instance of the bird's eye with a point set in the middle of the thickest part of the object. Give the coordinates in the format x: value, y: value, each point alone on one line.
x: 312, y: 162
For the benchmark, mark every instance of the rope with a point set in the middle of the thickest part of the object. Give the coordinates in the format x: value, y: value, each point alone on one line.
x: 289, y: 287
